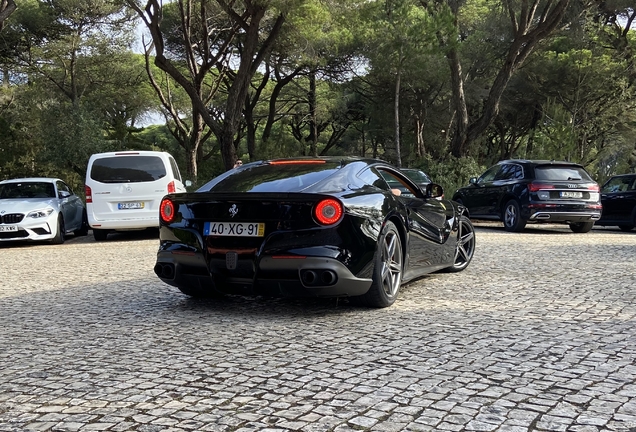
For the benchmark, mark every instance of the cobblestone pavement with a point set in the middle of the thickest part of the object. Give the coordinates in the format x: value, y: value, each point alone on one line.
x: 538, y: 334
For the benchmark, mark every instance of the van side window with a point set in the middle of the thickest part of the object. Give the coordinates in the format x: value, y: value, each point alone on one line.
x: 175, y: 169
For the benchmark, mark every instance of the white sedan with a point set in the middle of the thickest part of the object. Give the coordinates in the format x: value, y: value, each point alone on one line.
x: 40, y: 209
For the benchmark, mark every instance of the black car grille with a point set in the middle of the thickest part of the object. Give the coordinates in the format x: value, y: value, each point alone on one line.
x: 11, y: 218
x: 13, y: 234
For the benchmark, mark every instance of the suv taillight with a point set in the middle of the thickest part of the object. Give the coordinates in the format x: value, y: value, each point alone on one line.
x: 171, y: 187
x: 535, y: 187
x: 89, y: 194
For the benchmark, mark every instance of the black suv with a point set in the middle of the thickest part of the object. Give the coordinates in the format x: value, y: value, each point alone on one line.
x: 521, y: 191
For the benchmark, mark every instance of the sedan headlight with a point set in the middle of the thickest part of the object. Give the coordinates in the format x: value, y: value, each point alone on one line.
x: 40, y: 213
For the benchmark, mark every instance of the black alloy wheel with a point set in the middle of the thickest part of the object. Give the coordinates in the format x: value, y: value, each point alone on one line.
x: 465, y: 248
x: 512, y: 217
x: 387, y: 274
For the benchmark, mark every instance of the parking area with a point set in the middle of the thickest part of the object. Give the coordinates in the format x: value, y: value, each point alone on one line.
x: 537, y: 334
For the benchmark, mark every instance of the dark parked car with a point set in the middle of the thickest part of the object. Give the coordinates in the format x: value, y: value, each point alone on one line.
x: 521, y: 191
x: 419, y: 177
x: 324, y: 227
x: 618, y: 196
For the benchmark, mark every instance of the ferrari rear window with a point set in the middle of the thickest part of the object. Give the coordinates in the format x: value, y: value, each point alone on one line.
x: 128, y: 169
x: 272, y: 177
x: 561, y: 173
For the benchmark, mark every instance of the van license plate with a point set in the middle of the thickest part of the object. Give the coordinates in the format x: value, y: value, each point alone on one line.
x: 130, y: 205
x: 8, y: 228
x: 236, y: 229
x: 571, y: 194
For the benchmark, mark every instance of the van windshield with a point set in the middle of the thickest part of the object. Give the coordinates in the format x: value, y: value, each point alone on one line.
x: 128, y: 169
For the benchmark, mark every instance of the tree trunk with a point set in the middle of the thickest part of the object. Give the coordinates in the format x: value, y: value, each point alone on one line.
x: 396, y: 113
x: 459, y: 102
x: 313, y: 122
x: 528, y: 30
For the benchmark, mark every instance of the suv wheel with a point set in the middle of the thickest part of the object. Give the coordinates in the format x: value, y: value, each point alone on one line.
x: 512, y: 217
x: 581, y: 227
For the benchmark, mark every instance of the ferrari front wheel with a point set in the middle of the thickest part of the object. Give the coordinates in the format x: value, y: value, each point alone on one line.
x: 387, y: 274
x: 465, y: 248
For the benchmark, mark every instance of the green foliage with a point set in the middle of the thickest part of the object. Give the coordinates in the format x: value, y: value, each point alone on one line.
x: 73, y: 87
x: 451, y: 172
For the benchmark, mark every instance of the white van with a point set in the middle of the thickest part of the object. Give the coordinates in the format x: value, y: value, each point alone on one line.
x: 124, y: 189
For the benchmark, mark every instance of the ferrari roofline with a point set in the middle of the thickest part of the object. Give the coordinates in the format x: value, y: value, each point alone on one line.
x: 321, y: 159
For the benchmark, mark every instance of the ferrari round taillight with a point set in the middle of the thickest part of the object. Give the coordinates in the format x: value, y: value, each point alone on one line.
x: 166, y: 210
x: 328, y: 211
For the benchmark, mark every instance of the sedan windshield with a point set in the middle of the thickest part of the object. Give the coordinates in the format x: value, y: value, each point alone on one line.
x: 27, y: 190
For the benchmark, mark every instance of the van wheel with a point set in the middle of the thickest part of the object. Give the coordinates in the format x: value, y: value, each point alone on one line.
x: 100, y: 234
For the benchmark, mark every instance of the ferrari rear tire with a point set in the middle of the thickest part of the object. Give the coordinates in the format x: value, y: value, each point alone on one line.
x: 59, y: 235
x: 465, y: 248
x: 387, y: 273
x: 512, y: 217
